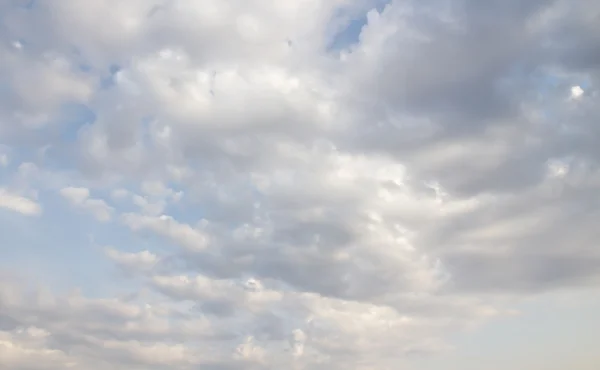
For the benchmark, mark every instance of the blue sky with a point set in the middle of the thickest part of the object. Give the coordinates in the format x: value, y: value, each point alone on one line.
x: 183, y: 187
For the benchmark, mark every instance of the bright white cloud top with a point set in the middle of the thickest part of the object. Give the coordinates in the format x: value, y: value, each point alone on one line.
x: 300, y: 184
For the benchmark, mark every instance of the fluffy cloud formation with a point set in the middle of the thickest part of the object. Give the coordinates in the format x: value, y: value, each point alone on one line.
x: 18, y: 203
x: 302, y: 201
x: 80, y: 198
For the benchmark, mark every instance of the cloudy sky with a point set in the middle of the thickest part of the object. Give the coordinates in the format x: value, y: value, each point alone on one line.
x: 299, y: 184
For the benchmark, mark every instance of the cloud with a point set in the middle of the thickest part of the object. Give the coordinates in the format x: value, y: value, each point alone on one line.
x: 80, y: 198
x: 144, y: 260
x: 27, y: 348
x: 165, y: 226
x: 290, y: 204
x: 576, y: 92
x: 17, y: 203
x: 119, y: 193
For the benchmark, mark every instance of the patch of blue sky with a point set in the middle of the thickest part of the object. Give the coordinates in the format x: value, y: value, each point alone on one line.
x: 78, y: 259
x: 79, y: 61
x: 110, y: 80
x: 85, y: 67
x: 540, y: 85
x: 5, y: 87
x: 72, y: 117
x: 8, y: 170
x: 145, y: 134
x: 121, y: 237
x: 17, y: 155
x: 17, y: 44
x: 59, y: 135
x: 188, y: 211
x: 550, y: 88
x: 26, y: 4
x: 52, y: 253
x: 546, y: 82
x: 350, y: 34
x: 62, y: 125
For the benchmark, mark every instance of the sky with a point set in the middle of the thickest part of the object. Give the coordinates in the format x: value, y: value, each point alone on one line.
x: 302, y: 184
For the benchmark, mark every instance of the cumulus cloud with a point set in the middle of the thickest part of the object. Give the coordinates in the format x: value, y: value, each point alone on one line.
x: 185, y: 235
x: 18, y: 203
x: 144, y: 260
x: 28, y: 348
x: 80, y: 198
x: 295, y: 200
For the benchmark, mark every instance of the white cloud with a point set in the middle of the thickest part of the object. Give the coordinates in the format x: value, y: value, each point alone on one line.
x: 119, y: 193
x: 167, y: 227
x: 80, y: 198
x: 144, y: 260
x: 17, y: 203
x: 29, y: 348
x: 154, y: 188
x: 576, y: 92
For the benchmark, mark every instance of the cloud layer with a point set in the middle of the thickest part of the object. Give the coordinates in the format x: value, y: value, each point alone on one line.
x: 304, y: 203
